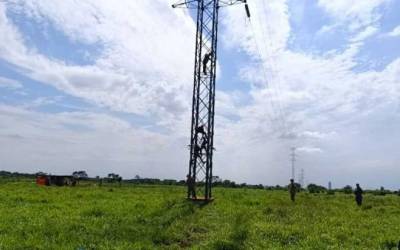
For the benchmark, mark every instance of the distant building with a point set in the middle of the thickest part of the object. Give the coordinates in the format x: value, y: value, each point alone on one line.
x: 58, y: 180
x: 330, y: 186
x: 42, y: 180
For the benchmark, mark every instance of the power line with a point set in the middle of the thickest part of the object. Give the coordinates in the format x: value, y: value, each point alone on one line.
x: 277, y: 109
x: 274, y: 74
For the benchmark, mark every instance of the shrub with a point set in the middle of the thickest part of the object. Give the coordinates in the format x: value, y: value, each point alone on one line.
x: 313, y: 188
x: 331, y: 192
x: 347, y: 189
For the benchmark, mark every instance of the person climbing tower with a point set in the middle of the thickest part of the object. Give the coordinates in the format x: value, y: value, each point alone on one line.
x: 200, y: 130
x: 197, y: 153
x: 204, y: 143
x: 206, y: 59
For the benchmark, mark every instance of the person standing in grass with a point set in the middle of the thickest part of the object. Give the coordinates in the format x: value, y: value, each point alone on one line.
x: 358, y: 194
x: 292, y: 190
x: 190, y: 181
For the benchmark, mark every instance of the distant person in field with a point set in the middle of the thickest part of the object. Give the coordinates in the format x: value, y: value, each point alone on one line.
x: 358, y: 194
x: 292, y: 190
x: 206, y: 59
x: 190, y: 181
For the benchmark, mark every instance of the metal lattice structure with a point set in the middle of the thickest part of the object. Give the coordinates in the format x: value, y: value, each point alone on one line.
x: 203, y: 108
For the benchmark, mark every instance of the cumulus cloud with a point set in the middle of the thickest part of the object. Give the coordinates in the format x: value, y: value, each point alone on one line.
x: 295, y: 98
x: 309, y: 149
x: 367, y: 32
x: 9, y: 83
x: 144, y: 67
x: 313, y: 95
x: 395, y: 31
x: 98, y: 143
x: 317, y: 134
x: 357, y: 15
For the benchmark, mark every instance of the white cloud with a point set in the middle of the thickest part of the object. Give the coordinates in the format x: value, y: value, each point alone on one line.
x: 356, y: 14
x: 317, y: 135
x: 269, y: 19
x: 367, y: 32
x: 312, y: 94
x: 145, y: 65
x: 309, y: 149
x: 9, y: 83
x: 64, y: 142
x: 395, y: 31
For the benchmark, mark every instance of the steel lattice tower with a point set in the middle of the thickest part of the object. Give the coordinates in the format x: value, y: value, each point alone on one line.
x: 203, y: 101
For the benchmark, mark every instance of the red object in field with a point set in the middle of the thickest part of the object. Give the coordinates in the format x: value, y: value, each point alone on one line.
x: 42, y: 181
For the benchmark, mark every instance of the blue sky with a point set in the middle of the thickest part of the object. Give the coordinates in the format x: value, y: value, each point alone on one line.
x: 106, y: 88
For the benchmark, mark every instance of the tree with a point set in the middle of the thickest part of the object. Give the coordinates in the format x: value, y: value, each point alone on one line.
x: 112, y: 177
x: 40, y: 173
x: 80, y: 175
x: 347, y: 189
x: 297, y: 186
x: 314, y: 188
x: 216, y: 178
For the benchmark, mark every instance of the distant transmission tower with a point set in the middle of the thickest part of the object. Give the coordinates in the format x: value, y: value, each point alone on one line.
x: 293, y: 160
x: 203, y: 100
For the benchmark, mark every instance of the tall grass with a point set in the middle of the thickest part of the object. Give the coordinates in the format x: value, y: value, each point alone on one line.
x: 158, y: 217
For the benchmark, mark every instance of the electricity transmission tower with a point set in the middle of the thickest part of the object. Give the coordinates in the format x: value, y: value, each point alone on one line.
x: 203, y: 100
x: 293, y: 159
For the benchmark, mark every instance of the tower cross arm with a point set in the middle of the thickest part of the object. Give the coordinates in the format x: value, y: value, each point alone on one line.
x: 192, y: 4
x: 223, y: 3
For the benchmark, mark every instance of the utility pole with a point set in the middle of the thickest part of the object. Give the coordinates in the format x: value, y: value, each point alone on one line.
x: 203, y: 100
x: 293, y: 160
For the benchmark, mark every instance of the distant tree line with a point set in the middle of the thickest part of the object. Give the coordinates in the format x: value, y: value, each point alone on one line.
x: 217, y: 182
x: 6, y: 174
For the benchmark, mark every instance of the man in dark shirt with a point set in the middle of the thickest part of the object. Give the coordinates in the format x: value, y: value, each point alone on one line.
x: 292, y: 190
x: 358, y: 194
x: 206, y: 58
x: 190, y: 181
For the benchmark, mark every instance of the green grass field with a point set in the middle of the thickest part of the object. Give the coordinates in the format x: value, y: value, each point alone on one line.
x: 157, y: 217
